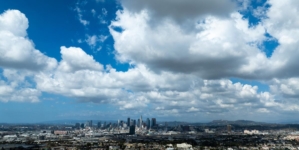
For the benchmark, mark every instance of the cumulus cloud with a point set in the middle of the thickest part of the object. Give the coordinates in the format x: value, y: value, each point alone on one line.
x: 8, y: 94
x: 220, y: 47
x: 75, y: 59
x: 16, y: 50
x: 180, y: 11
x: 15, y: 87
x: 19, y: 59
x: 140, y: 88
x: 282, y: 23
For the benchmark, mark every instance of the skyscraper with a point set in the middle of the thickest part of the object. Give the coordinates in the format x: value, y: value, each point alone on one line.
x: 77, y: 126
x: 148, y: 123
x: 132, y: 122
x: 128, y: 122
x: 153, y: 122
x: 132, y: 130
x: 88, y: 123
x: 141, y: 121
x: 99, y: 124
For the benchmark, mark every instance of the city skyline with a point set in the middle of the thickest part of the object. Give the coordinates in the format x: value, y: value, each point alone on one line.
x: 196, y: 61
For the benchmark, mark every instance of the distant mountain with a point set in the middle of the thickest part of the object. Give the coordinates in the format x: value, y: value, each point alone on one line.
x: 290, y: 122
x: 237, y: 122
x: 222, y: 123
x: 174, y: 123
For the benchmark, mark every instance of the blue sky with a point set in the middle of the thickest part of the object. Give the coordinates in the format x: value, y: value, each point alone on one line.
x: 108, y: 60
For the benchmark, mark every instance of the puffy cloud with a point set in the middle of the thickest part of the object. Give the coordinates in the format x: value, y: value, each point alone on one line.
x: 16, y: 50
x: 219, y: 48
x: 19, y: 59
x: 288, y: 88
x: 8, y: 93
x: 282, y: 23
x: 15, y: 87
x: 180, y: 11
x: 15, y: 22
x: 166, y: 92
x: 75, y: 59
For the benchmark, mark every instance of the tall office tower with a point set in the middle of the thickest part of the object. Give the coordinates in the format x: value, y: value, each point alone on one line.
x: 82, y: 125
x: 77, y: 125
x: 134, y: 122
x: 99, y: 124
x: 141, y: 121
x: 148, y: 123
x: 128, y: 122
x: 118, y: 122
x: 138, y: 122
x: 153, y: 122
x: 86, y: 124
x: 132, y: 130
x: 121, y: 123
x: 131, y: 122
x: 166, y: 126
x: 105, y: 124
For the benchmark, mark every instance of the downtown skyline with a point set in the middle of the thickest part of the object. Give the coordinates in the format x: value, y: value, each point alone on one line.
x: 193, y: 61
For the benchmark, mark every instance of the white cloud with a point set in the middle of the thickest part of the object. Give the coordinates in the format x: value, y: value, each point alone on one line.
x: 102, y: 17
x: 15, y: 22
x: 80, y: 16
x: 15, y: 87
x: 180, y: 11
x: 19, y: 59
x: 92, y: 40
x: 8, y: 94
x: 282, y: 23
x: 140, y: 88
x: 102, y: 20
x: 75, y: 59
x: 219, y: 47
x: 96, y: 42
x: 16, y: 50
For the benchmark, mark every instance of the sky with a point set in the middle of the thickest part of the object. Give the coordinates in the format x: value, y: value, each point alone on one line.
x: 174, y: 60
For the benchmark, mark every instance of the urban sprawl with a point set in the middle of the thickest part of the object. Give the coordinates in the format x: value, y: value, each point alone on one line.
x: 138, y: 134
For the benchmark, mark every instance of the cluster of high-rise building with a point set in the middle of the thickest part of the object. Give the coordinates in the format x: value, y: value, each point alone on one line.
x: 130, y: 124
x: 140, y: 123
x: 144, y: 124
